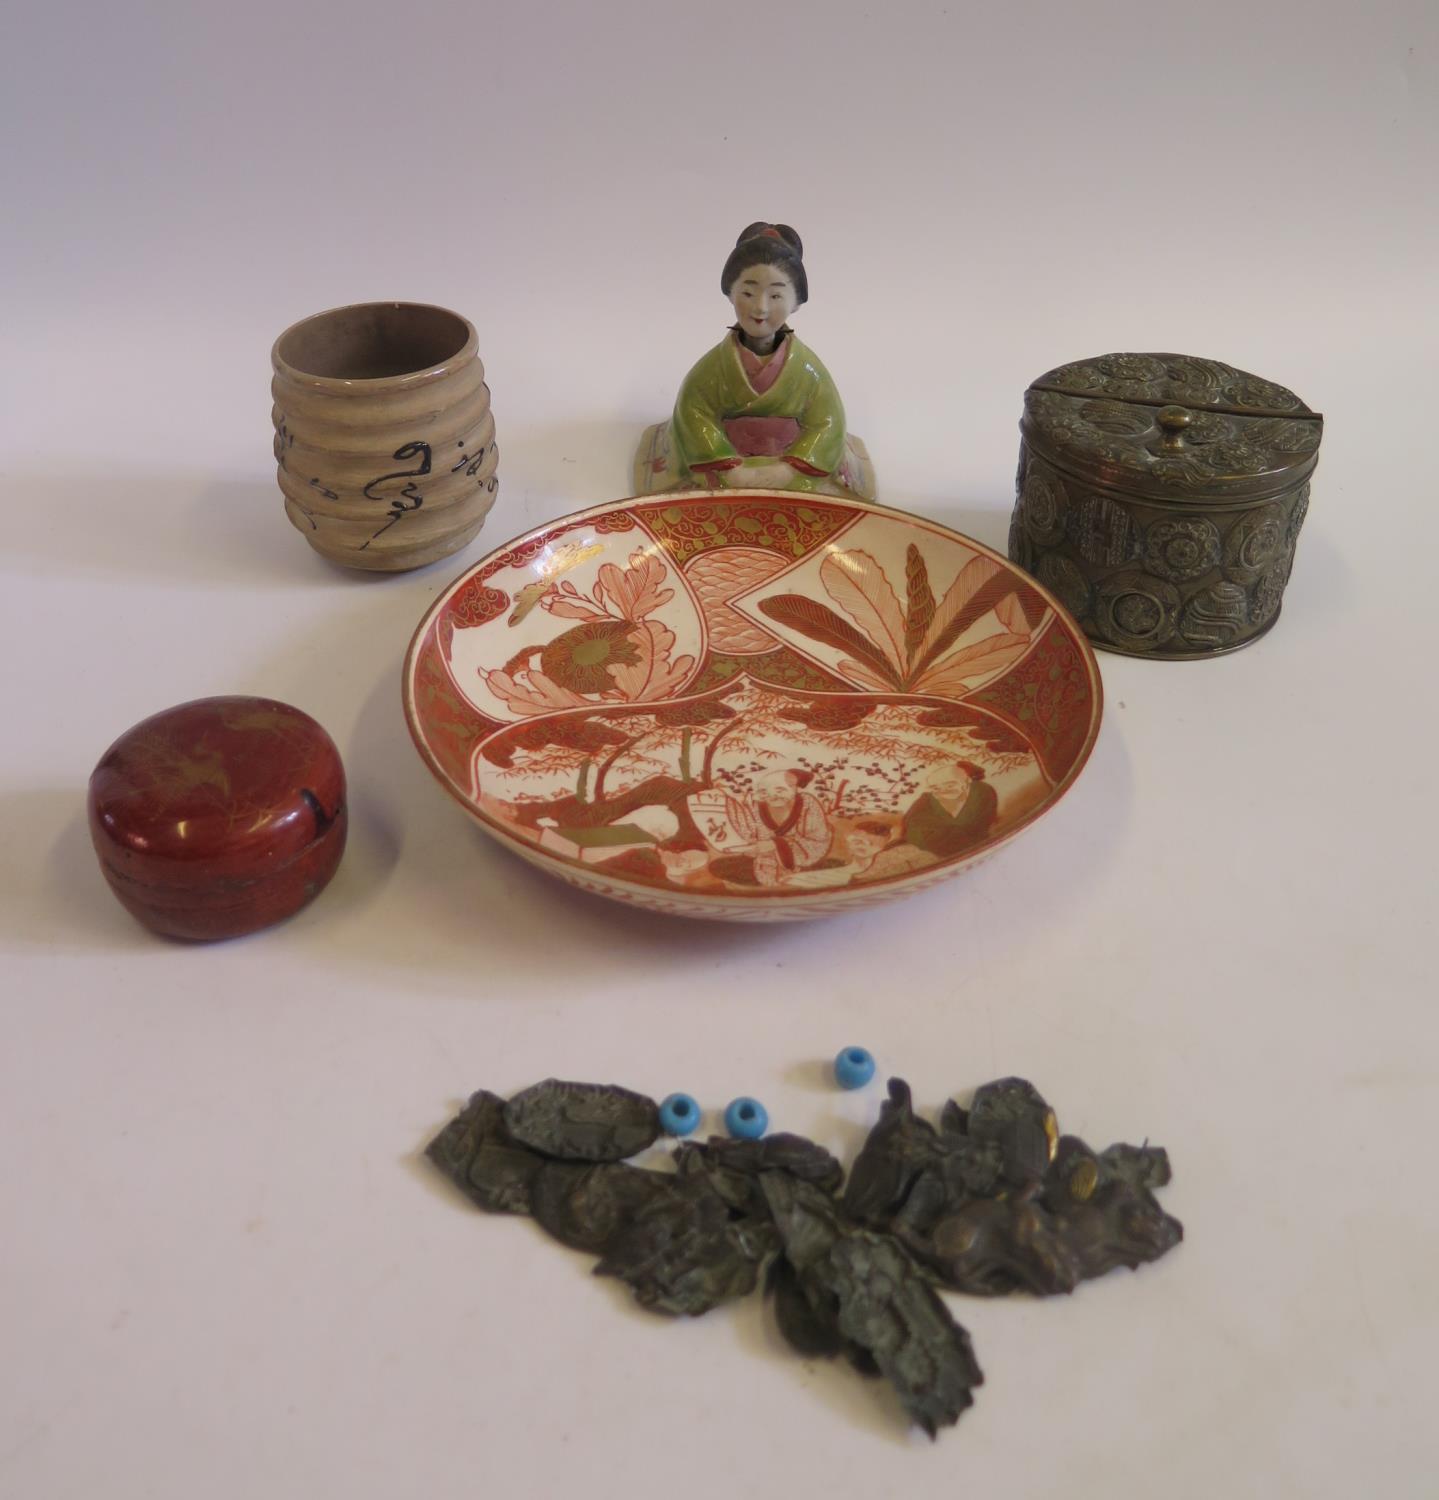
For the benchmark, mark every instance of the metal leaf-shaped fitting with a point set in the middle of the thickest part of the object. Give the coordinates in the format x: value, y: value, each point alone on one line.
x: 1083, y: 1180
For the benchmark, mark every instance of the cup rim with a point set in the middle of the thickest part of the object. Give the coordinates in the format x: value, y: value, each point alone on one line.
x: 462, y: 355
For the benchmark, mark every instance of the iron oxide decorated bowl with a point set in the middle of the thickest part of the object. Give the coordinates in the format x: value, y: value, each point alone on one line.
x: 751, y: 705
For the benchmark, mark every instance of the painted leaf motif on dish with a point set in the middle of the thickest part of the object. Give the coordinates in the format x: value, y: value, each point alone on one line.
x: 919, y: 599
x: 820, y: 623
x: 966, y: 599
x: 634, y: 591
x: 992, y: 654
x: 649, y: 674
x: 916, y: 647
x: 857, y: 583
x: 530, y: 692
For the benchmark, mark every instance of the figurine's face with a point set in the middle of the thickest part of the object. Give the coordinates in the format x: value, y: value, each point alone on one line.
x: 763, y: 298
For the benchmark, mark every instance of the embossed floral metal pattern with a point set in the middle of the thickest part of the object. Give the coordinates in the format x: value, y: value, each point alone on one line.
x: 1229, y: 572
x: 1216, y: 448
x: 1182, y: 549
x: 1164, y: 378
x: 1161, y: 497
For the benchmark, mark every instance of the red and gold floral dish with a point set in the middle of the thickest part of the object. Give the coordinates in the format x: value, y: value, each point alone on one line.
x: 755, y: 707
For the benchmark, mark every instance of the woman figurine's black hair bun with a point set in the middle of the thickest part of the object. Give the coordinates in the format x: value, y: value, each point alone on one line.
x: 762, y: 244
x: 772, y: 231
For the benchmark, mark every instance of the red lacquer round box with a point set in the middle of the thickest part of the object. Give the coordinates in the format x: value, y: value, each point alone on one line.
x: 219, y: 817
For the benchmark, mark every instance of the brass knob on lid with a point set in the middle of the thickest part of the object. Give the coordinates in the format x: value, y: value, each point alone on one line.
x: 1174, y: 419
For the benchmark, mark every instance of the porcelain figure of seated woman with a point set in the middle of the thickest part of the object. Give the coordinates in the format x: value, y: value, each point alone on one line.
x: 759, y: 411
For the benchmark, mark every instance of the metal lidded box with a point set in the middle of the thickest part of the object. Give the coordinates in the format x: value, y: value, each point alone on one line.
x: 1160, y: 497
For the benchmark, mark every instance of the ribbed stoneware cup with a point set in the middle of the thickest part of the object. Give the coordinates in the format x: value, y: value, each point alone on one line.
x: 383, y: 433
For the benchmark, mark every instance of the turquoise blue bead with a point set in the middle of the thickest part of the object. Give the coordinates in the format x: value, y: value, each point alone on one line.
x: 747, y: 1119
x: 853, y: 1068
x: 679, y: 1114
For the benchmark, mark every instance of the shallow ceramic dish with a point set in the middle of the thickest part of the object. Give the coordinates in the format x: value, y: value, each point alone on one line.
x: 751, y: 705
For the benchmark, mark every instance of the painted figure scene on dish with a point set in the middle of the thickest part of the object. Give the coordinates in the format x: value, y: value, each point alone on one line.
x: 760, y: 787
x: 754, y: 696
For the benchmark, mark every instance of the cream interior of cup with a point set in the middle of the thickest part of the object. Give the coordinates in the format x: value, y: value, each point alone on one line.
x: 373, y: 341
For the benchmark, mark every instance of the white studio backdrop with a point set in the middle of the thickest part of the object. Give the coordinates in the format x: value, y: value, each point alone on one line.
x: 223, y: 1269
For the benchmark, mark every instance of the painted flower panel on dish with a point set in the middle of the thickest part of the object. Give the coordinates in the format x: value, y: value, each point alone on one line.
x: 585, y: 628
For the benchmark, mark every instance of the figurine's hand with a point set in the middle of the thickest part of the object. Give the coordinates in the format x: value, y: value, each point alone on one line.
x: 772, y: 476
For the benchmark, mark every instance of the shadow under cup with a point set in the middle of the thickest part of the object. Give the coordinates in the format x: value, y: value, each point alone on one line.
x: 384, y: 438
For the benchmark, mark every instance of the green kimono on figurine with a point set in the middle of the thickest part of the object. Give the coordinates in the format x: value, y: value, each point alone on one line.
x: 759, y: 411
x: 722, y: 421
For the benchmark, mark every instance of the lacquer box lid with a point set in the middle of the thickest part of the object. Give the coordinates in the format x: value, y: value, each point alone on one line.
x: 1172, y: 426
x: 218, y: 817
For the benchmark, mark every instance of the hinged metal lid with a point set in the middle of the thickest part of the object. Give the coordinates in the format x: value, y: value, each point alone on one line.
x: 1172, y: 425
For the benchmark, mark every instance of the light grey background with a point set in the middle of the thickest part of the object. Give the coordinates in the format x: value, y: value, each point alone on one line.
x: 222, y: 1271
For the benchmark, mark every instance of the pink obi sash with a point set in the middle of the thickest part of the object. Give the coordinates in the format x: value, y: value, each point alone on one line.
x: 761, y: 437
